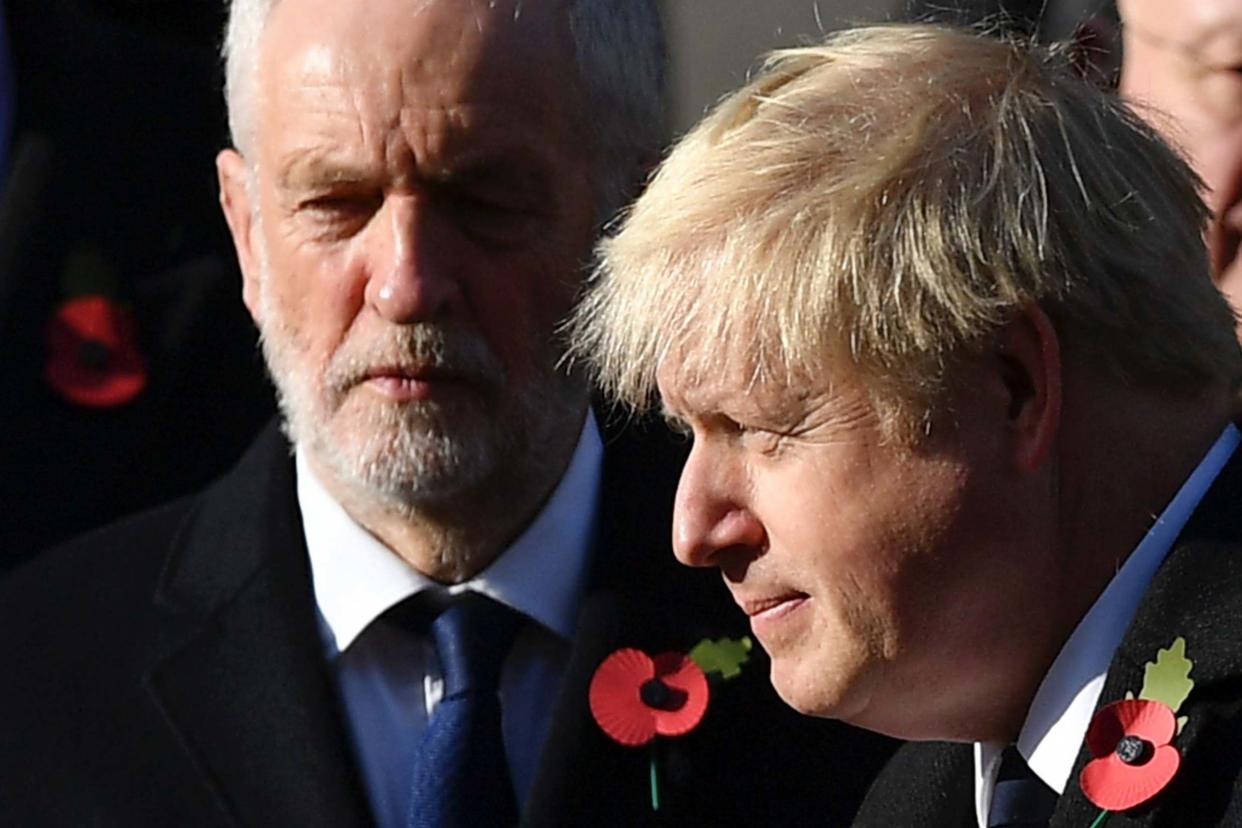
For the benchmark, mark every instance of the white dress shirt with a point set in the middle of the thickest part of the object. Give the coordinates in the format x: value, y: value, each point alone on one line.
x: 1061, y: 711
x: 390, y: 680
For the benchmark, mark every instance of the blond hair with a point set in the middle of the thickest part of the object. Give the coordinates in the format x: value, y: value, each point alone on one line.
x: 894, y: 196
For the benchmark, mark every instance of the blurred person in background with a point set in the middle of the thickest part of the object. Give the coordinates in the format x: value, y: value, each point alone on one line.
x: 1182, y: 68
x: 131, y: 373
x: 1179, y: 62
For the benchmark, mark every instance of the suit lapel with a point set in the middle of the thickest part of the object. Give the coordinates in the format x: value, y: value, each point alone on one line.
x: 928, y: 784
x: 638, y: 596
x: 243, y: 679
x: 580, y: 769
x: 1195, y: 595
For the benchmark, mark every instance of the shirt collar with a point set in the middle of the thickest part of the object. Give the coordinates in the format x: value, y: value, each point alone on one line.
x: 1057, y: 721
x: 356, y: 577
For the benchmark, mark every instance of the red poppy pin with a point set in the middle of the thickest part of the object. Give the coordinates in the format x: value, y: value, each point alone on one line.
x: 1130, y: 741
x: 635, y: 697
x: 93, y: 358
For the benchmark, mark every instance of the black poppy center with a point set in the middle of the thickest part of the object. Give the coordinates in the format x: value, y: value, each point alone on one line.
x: 94, y: 354
x: 1134, y: 751
x: 660, y: 696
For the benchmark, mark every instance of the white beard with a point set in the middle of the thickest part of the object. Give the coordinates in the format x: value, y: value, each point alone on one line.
x: 412, y: 456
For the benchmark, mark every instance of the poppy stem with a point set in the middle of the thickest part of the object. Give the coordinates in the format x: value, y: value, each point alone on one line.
x: 1101, y: 819
x: 655, y: 777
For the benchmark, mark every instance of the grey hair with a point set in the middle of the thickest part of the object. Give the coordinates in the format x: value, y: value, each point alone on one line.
x: 619, y: 51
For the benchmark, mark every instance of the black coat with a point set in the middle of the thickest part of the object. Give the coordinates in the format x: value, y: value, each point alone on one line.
x: 168, y: 671
x: 1196, y: 594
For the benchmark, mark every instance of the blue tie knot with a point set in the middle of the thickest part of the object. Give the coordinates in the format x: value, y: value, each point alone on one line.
x: 472, y: 636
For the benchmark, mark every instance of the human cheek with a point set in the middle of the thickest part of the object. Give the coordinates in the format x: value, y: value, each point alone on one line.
x: 861, y: 527
x: 325, y: 292
x: 516, y: 302
x: 807, y: 531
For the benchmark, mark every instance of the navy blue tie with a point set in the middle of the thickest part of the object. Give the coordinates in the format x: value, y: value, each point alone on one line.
x: 461, y: 777
x: 1020, y: 798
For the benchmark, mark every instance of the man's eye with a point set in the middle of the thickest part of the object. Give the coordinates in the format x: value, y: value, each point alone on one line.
x: 487, y: 207
x: 338, y: 208
x: 493, y: 218
x: 727, y: 428
x: 753, y: 437
x: 339, y: 214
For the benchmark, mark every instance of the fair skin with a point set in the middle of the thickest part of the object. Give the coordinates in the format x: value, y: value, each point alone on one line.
x: 917, y: 590
x: 1183, y: 58
x: 421, y: 208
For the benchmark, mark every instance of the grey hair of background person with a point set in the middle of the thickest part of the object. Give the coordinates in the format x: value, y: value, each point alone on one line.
x: 620, y: 52
x: 1050, y: 20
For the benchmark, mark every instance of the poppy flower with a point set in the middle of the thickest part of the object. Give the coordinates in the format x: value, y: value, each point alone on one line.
x: 1133, y: 760
x: 93, y: 357
x: 635, y: 697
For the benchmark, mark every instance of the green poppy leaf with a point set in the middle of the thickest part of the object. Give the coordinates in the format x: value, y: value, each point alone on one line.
x: 1167, y: 679
x: 724, y: 656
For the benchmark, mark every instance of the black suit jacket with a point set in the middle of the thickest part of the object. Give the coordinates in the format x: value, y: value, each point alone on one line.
x: 1197, y: 594
x: 168, y: 671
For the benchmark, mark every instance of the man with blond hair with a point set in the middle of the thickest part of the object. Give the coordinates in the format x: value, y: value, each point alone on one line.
x: 938, y: 316
x: 392, y: 613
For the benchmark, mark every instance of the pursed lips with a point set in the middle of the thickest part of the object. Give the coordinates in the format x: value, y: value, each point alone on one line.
x: 759, y: 606
x: 424, y: 373
x: 409, y: 382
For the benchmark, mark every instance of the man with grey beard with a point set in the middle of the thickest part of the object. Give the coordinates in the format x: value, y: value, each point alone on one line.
x: 393, y: 609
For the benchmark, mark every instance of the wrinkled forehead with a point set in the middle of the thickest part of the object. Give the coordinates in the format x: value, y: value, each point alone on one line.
x: 504, y: 49
x: 701, y: 335
x: 757, y: 397
x: 703, y: 371
x: 691, y: 379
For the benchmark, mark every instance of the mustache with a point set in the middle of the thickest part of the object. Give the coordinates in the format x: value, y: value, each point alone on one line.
x: 419, y: 348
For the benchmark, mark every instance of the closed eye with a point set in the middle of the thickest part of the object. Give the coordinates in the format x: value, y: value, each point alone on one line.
x: 341, y: 213
x: 489, y: 216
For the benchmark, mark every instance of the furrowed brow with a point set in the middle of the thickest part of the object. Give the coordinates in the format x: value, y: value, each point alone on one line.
x: 521, y: 172
x: 315, y: 170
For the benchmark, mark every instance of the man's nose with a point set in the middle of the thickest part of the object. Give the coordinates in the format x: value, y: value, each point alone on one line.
x: 412, y: 272
x: 710, y: 515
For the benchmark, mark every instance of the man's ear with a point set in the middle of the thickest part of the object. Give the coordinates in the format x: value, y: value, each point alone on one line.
x: 235, y: 200
x: 1030, y: 365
